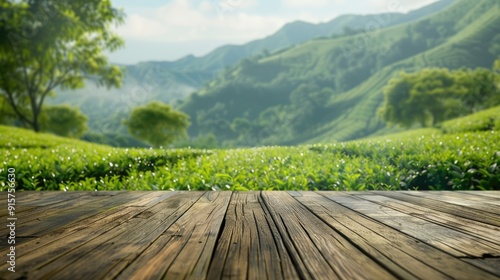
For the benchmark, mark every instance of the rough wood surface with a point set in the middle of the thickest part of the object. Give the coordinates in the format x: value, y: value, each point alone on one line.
x: 246, y: 247
x: 254, y: 235
x: 453, y: 209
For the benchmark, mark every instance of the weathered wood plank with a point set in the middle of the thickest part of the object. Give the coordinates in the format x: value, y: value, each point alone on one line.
x: 489, y: 264
x: 288, y: 267
x: 28, y: 211
x: 470, y: 227
x: 451, y: 241
x: 44, y: 198
x: 184, y: 249
x: 41, y: 222
x: 34, y: 201
x: 92, y: 226
x: 318, y: 251
x: 56, y: 247
x: 434, y: 258
x: 457, y: 210
x: 115, y: 248
x: 246, y: 248
x: 58, y: 242
x: 491, y: 194
x: 469, y: 195
x: 55, y: 218
x: 372, y: 238
x: 458, y: 199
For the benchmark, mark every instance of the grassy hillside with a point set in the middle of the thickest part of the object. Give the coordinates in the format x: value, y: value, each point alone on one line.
x: 419, y: 159
x: 169, y: 81
x: 467, y: 48
x: 331, y: 88
x: 481, y: 121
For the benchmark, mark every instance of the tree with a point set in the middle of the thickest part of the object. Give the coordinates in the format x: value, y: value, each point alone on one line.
x: 396, y: 93
x: 63, y: 120
x: 49, y: 44
x: 496, y: 70
x: 496, y: 66
x: 157, y: 123
x: 419, y: 97
x: 434, y: 95
x: 482, y: 89
x: 243, y: 127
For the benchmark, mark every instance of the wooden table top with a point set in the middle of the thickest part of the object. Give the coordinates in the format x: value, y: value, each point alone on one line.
x: 252, y: 235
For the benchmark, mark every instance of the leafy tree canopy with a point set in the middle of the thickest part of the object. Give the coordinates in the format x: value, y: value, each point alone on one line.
x: 7, y: 115
x: 434, y: 95
x: 157, y: 123
x: 63, y: 120
x: 496, y: 66
x: 46, y: 44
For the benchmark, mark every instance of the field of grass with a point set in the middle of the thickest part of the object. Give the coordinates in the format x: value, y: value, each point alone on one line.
x: 420, y: 159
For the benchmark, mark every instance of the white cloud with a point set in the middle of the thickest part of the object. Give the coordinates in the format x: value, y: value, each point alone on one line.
x: 139, y: 26
x: 398, y: 6
x: 239, y: 4
x: 182, y: 21
x: 305, y: 3
x: 407, y: 6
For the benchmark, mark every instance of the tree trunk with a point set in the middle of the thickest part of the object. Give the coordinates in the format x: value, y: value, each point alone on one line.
x: 36, y: 125
x: 34, y: 109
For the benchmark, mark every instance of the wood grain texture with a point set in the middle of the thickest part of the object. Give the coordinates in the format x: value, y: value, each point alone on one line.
x: 451, y: 241
x: 486, y: 205
x: 489, y: 264
x: 246, y: 248
x: 470, y: 227
x: 70, y: 211
x: 491, y: 194
x: 185, y: 248
x: 424, y: 250
x: 255, y: 235
x: 452, y: 209
x: 322, y: 251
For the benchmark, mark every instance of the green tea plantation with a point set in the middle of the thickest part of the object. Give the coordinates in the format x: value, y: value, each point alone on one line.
x: 458, y: 156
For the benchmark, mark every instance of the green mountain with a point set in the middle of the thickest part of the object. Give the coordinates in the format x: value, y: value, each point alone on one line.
x: 291, y: 34
x: 331, y: 88
x: 172, y: 81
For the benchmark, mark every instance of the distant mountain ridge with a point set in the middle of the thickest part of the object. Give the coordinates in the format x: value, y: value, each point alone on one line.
x: 169, y: 81
x: 294, y: 33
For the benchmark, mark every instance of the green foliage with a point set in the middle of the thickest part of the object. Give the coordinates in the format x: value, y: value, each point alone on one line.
x: 438, y: 95
x: 421, y: 159
x: 157, y: 123
x: 7, y: 114
x: 46, y: 45
x: 496, y: 66
x: 114, y: 139
x: 208, y: 141
x: 63, y: 120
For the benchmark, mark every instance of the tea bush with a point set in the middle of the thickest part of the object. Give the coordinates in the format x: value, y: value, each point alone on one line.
x: 421, y: 159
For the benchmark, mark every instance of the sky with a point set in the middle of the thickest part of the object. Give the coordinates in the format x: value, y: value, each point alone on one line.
x: 165, y: 30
